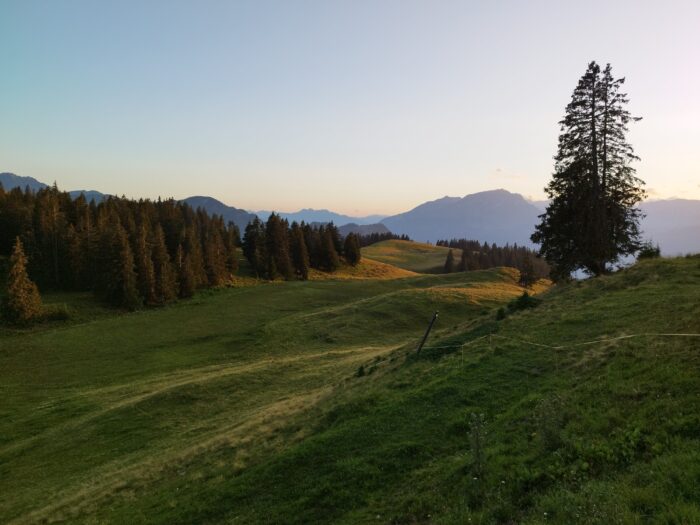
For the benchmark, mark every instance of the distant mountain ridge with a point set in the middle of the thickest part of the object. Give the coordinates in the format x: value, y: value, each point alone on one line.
x: 239, y: 217
x: 362, y: 229
x: 496, y: 216
x: 10, y: 181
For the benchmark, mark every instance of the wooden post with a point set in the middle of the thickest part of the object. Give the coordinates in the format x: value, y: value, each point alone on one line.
x: 427, y: 332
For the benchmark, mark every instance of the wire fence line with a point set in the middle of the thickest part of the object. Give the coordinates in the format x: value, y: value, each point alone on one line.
x: 561, y: 346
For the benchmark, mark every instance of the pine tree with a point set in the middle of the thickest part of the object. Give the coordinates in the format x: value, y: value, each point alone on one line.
x: 592, y: 219
x: 527, y: 272
x: 277, y: 244
x: 329, y: 260
x: 450, y: 262
x: 23, y: 302
x: 300, y: 255
x: 230, y: 242
x: 122, y: 288
x: 351, y: 249
x: 463, y: 261
x: 186, y: 280
x: 215, y: 258
x: 165, y: 278
x: 254, y: 246
x: 146, y: 277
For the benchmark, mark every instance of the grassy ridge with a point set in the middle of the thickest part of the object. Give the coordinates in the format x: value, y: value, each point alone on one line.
x: 606, y: 433
x: 414, y: 256
x: 104, y: 412
x: 602, y: 433
x: 246, y: 406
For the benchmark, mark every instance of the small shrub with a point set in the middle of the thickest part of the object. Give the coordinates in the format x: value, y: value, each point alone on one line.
x: 501, y: 314
x: 360, y: 371
x: 523, y: 302
x: 649, y: 251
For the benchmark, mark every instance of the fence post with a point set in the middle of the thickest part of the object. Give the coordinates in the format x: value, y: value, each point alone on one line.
x: 427, y: 332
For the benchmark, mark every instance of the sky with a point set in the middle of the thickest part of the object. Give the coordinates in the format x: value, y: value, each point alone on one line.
x: 357, y: 106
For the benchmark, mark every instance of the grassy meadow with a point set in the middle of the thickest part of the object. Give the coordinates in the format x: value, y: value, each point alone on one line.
x: 304, y: 402
x: 105, y: 407
x: 413, y: 256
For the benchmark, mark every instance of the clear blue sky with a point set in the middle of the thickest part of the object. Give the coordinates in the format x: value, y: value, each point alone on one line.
x: 358, y: 106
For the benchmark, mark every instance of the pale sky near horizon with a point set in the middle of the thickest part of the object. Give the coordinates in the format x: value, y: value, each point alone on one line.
x: 357, y: 106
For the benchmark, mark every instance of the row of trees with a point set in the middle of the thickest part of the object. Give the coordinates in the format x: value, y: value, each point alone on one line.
x: 478, y: 256
x: 275, y: 249
x: 131, y: 253
x: 374, y: 238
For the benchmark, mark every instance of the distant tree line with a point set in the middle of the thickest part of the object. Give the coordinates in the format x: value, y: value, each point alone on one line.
x: 275, y: 249
x: 130, y: 253
x: 478, y: 256
x: 373, y: 238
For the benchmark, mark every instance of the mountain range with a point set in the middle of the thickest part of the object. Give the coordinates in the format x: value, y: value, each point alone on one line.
x: 10, y: 181
x: 496, y: 216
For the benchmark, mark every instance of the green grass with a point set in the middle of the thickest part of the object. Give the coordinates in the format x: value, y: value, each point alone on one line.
x: 102, y: 410
x: 414, y: 256
x: 245, y: 406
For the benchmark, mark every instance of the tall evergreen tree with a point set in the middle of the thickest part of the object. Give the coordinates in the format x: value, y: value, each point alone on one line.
x: 146, y: 277
x: 351, y: 249
x: 230, y: 242
x: 254, y: 246
x: 122, y: 287
x: 277, y: 244
x: 592, y: 219
x: 300, y: 255
x: 450, y: 262
x: 23, y: 302
x: 185, y: 276
x: 164, y: 273
x: 328, y: 255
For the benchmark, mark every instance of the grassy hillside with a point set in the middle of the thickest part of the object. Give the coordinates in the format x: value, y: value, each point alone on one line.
x: 306, y: 403
x: 414, y: 256
x: 100, y: 414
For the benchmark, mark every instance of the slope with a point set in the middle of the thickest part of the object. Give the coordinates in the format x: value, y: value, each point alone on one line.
x: 542, y: 422
x: 104, y: 413
x: 413, y: 256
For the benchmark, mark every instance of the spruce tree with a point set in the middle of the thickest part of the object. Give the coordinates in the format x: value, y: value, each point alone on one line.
x: 185, y: 276
x: 592, y: 219
x: 215, y: 258
x: 122, y: 288
x: 329, y: 260
x: 300, y: 255
x: 351, y: 249
x: 463, y: 261
x: 277, y: 244
x: 230, y: 242
x: 527, y: 272
x: 23, y: 302
x: 164, y: 273
x: 146, y: 279
x: 450, y: 262
x: 254, y: 246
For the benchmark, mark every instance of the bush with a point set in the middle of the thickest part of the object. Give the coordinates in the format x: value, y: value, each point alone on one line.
x: 523, y: 302
x: 649, y: 251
